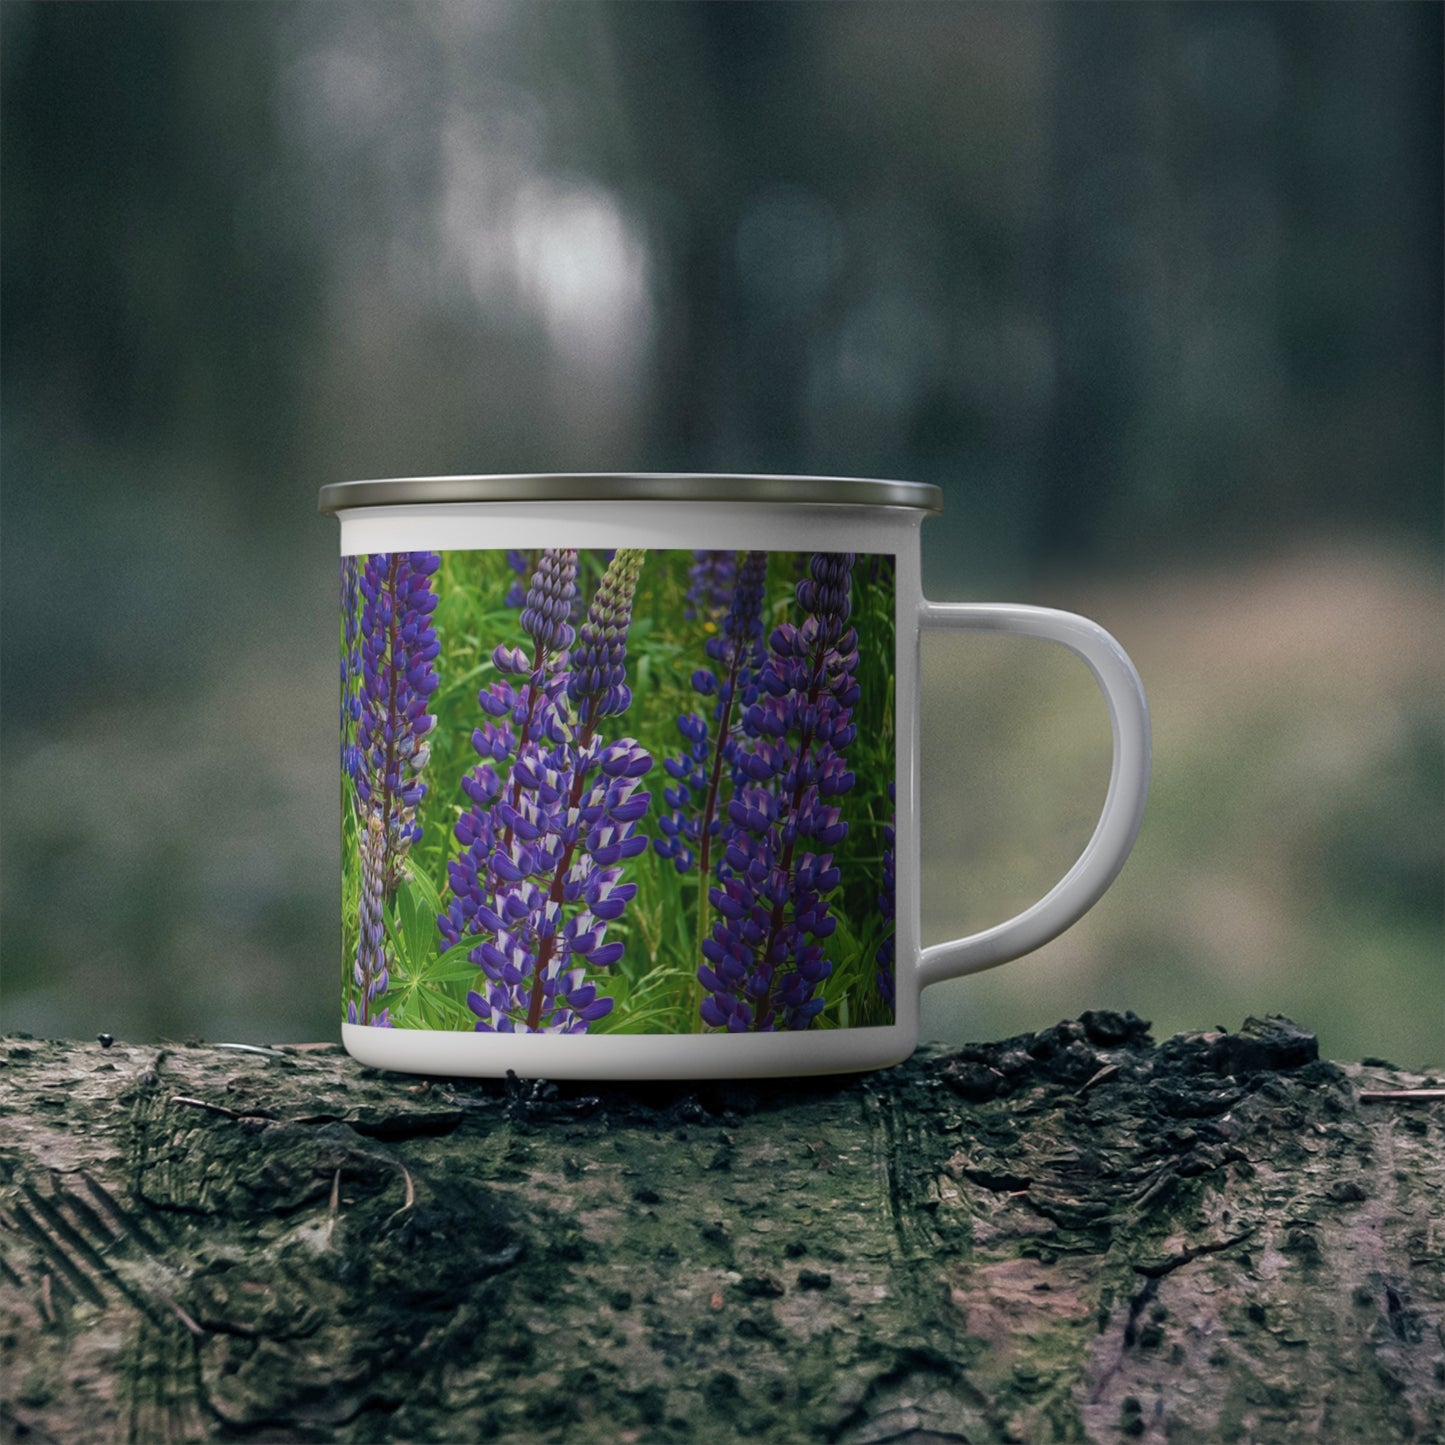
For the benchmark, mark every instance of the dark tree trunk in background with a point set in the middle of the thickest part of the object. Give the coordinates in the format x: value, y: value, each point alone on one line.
x: 1075, y: 1235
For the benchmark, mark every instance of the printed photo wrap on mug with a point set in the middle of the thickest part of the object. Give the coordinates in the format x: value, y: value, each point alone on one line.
x: 632, y: 792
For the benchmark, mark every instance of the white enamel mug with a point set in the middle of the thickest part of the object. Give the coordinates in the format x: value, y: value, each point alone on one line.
x: 630, y: 781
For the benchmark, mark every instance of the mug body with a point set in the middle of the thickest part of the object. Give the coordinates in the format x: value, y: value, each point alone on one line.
x: 628, y: 774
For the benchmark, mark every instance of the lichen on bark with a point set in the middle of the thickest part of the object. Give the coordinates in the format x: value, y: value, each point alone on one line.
x: 1072, y: 1235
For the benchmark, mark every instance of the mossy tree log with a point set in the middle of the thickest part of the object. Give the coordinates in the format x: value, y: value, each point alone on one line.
x: 1074, y: 1235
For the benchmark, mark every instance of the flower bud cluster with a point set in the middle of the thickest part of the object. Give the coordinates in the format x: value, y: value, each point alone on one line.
x: 597, y: 677
x: 547, y: 610
x: 553, y: 812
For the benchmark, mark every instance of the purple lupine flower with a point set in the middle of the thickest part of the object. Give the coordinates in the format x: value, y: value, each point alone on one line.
x: 597, y: 683
x: 350, y: 673
x: 523, y: 564
x: 547, y: 610
x: 516, y: 711
x: 887, y: 907
x: 710, y: 585
x: 399, y: 648
x: 539, y: 878
x: 765, y: 959
x: 706, y: 765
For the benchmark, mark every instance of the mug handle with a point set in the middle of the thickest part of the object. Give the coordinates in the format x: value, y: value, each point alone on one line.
x: 1099, y: 864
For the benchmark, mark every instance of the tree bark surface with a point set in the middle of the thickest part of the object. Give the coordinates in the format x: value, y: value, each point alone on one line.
x: 1077, y: 1235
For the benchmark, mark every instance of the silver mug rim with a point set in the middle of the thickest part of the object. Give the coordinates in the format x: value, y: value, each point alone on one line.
x: 738, y: 488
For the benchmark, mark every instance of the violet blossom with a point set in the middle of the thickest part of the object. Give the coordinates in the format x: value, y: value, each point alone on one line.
x: 350, y: 672
x: 523, y: 564
x: 554, y: 809
x: 398, y: 649
x: 710, y: 585
x: 703, y: 772
x: 765, y: 959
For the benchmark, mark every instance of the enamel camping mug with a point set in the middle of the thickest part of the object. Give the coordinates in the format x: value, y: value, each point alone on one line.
x: 629, y: 774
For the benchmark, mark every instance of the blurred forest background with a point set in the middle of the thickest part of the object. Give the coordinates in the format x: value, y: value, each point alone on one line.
x: 1153, y: 292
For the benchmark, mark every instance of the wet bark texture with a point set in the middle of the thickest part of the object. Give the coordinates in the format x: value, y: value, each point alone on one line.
x: 1073, y: 1235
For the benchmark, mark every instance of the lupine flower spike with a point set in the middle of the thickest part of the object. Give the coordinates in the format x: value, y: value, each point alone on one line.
x: 704, y: 772
x: 765, y: 959
x: 398, y: 649
x: 514, y: 712
x: 350, y: 674
x: 523, y: 564
x: 710, y: 585
x: 553, y: 811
